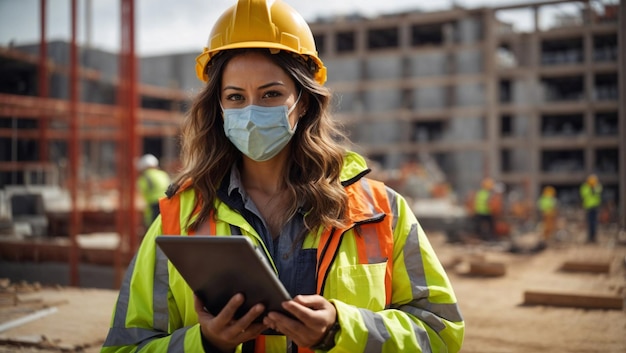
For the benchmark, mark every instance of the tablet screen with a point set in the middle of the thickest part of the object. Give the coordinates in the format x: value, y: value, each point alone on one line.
x: 218, y: 267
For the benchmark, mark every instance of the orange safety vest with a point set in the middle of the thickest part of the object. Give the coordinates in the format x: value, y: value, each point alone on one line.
x: 369, y: 215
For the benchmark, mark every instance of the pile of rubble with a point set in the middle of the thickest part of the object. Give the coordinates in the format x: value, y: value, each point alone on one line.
x: 42, y: 319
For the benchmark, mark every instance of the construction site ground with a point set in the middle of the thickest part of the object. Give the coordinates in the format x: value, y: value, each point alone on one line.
x: 497, y: 318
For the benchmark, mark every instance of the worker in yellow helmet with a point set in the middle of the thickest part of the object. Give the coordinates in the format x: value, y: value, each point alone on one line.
x: 261, y: 159
x: 547, y: 206
x: 591, y: 196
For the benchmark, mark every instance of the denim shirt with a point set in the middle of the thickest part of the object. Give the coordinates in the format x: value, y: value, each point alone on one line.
x: 296, y: 266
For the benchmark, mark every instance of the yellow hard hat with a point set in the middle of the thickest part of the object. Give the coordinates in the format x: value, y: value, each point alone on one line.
x: 268, y: 24
x: 592, y: 179
x: 549, y: 191
x: 487, y: 183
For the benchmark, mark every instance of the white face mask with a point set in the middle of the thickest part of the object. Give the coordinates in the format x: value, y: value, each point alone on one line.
x: 259, y: 132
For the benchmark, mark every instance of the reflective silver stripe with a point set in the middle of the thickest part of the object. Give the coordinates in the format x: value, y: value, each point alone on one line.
x: 413, y: 263
x: 159, y: 292
x: 422, y: 338
x: 414, y: 267
x: 121, y: 336
x: 177, y: 340
x: 432, y: 313
x: 376, y: 329
x: 393, y: 202
x: 372, y: 246
x: 234, y: 230
x: 370, y: 235
x: 121, y: 308
x: 368, y: 191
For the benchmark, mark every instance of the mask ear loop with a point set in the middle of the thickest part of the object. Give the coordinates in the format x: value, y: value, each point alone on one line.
x: 294, y: 104
x: 292, y: 109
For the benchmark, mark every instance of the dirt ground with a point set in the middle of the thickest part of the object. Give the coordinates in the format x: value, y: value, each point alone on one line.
x: 497, y: 319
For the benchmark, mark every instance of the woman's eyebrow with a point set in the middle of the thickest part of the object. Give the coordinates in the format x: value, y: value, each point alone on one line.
x: 270, y: 84
x: 233, y: 88
x: 267, y: 85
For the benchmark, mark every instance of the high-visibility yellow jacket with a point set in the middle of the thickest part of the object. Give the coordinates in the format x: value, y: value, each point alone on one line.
x: 591, y: 195
x: 481, y: 202
x: 152, y: 184
x: 381, y: 273
x: 547, y: 204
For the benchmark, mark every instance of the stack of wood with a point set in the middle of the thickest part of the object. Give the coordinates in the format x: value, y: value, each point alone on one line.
x: 584, y: 300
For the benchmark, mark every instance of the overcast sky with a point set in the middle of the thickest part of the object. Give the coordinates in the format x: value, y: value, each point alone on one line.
x: 171, y: 26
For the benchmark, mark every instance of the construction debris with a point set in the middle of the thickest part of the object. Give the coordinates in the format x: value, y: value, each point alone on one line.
x: 587, y: 266
x: 29, y: 321
x: 28, y: 318
x: 574, y: 300
x: 486, y: 268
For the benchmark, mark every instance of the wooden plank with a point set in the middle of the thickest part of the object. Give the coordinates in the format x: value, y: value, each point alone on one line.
x: 587, y: 266
x: 8, y: 298
x: 485, y: 268
x: 574, y: 300
x: 28, y: 318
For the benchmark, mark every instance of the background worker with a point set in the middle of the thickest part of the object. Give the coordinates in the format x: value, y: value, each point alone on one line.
x: 547, y: 206
x: 591, y: 196
x: 151, y: 183
x: 261, y: 159
x: 483, y: 211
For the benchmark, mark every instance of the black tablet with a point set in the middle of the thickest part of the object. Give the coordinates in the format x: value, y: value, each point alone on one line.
x: 218, y: 267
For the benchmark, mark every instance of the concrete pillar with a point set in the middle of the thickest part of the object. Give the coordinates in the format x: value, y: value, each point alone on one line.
x: 492, y: 155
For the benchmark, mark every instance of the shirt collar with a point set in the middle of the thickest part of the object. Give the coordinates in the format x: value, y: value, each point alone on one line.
x: 235, y: 182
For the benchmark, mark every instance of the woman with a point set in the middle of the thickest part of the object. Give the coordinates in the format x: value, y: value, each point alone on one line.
x: 260, y: 160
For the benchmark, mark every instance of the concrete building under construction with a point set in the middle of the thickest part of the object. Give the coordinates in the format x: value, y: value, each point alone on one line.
x: 532, y: 108
x: 462, y: 87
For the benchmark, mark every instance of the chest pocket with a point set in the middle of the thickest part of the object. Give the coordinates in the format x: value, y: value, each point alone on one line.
x: 361, y: 285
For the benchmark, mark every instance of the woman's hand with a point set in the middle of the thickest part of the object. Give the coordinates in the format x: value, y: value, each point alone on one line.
x: 316, y: 315
x: 223, y: 331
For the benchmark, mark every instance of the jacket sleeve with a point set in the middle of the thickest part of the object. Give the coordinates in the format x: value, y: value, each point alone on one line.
x: 423, y: 316
x: 146, y: 318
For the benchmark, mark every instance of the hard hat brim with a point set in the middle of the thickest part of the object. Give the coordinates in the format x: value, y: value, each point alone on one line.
x: 320, y: 74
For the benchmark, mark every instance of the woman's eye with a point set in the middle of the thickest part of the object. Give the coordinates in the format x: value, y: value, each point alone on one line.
x: 272, y: 94
x: 234, y: 97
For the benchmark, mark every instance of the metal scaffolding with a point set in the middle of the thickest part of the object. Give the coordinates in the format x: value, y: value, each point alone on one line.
x: 76, y: 123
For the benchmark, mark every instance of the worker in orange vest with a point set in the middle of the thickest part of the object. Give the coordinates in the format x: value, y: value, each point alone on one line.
x: 547, y: 206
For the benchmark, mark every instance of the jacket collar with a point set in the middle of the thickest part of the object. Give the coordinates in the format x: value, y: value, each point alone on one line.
x: 354, y: 168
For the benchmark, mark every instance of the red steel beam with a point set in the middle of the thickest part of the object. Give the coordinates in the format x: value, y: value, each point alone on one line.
x: 73, y: 146
x: 127, y: 149
x: 62, y: 135
x: 103, y: 114
x: 17, y: 166
x: 120, y: 218
x: 42, y: 74
x: 132, y: 131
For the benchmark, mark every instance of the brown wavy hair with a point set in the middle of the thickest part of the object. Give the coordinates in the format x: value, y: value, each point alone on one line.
x: 316, y: 151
